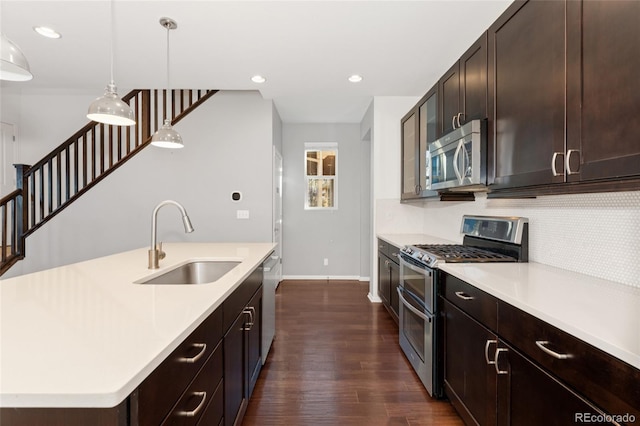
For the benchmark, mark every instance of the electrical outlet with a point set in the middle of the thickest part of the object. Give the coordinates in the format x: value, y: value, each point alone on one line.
x: 326, y: 262
x: 242, y: 214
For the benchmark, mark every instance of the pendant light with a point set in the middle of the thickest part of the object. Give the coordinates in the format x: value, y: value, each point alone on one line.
x: 109, y: 108
x: 13, y: 64
x: 166, y: 137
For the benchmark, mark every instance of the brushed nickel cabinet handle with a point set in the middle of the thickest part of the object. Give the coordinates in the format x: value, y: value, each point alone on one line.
x: 553, y: 163
x: 460, y: 115
x: 203, y: 396
x: 203, y: 348
x: 464, y: 296
x: 541, y: 344
x: 495, y: 361
x: 486, y: 351
x: 453, y: 122
x: 568, y: 158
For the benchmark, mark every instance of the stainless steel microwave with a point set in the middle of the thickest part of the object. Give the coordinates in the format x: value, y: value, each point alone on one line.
x: 458, y: 160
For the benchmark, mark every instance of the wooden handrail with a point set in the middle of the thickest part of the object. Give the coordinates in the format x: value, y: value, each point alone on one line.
x: 81, y: 162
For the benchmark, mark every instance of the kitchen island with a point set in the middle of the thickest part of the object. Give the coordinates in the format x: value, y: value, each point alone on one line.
x: 86, y: 335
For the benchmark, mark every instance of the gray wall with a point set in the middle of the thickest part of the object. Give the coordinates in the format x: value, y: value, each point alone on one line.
x: 228, y: 147
x: 312, y: 235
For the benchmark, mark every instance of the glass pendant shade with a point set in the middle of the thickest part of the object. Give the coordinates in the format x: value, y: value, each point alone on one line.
x: 13, y: 64
x: 166, y: 137
x: 109, y: 109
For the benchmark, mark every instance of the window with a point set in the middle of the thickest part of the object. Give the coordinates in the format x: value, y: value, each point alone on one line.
x: 321, y: 175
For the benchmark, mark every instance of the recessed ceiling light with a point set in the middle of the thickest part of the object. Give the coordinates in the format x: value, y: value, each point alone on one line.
x: 258, y: 79
x: 355, y: 78
x: 47, y: 32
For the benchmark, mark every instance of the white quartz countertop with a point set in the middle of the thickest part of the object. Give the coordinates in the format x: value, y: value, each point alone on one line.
x: 84, y: 335
x: 600, y: 312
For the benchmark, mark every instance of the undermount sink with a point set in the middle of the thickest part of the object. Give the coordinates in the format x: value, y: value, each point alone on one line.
x: 195, y: 272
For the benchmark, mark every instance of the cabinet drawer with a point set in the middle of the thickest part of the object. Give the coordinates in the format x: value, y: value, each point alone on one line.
x: 200, y: 393
x: 160, y: 391
x: 608, y: 382
x: 475, y: 302
x: 214, y: 411
x: 389, y: 250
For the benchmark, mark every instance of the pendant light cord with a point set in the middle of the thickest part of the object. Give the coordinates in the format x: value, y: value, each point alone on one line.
x: 169, y: 113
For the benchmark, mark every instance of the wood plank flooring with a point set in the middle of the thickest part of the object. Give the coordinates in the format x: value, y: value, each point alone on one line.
x: 336, y: 361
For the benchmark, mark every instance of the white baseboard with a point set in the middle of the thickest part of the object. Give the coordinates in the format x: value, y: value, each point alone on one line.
x: 364, y: 279
x: 374, y: 299
x: 322, y: 277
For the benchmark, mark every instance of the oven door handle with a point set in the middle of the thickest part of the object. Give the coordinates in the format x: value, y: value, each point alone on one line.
x: 422, y: 271
x: 411, y: 308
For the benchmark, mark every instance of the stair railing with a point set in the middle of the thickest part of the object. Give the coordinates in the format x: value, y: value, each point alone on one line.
x: 82, y: 161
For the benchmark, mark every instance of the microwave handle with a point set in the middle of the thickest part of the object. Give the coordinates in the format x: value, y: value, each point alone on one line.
x: 456, y: 169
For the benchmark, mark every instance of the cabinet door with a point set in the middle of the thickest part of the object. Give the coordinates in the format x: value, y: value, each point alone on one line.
x: 409, y: 135
x: 527, y: 61
x: 384, y: 280
x: 449, y: 87
x: 427, y: 133
x: 394, y: 302
x: 473, y: 81
x: 530, y: 396
x: 603, y: 60
x: 254, y: 341
x: 234, y: 371
x: 470, y: 383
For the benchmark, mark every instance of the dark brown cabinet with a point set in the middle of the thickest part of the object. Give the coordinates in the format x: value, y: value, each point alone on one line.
x: 389, y: 277
x: 419, y: 128
x: 495, y: 371
x: 470, y: 383
x: 463, y: 88
x: 562, y: 101
x: 527, y: 102
x: 603, y: 59
x: 242, y: 346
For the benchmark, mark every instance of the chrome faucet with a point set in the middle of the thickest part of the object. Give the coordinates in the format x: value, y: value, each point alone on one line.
x: 156, y: 253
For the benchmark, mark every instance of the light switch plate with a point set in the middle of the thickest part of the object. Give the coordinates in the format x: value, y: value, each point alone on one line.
x: 242, y: 214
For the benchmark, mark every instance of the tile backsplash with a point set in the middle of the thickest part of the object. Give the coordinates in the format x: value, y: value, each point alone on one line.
x: 593, y: 234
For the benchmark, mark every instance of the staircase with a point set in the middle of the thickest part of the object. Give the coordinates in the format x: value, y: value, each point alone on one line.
x: 79, y: 163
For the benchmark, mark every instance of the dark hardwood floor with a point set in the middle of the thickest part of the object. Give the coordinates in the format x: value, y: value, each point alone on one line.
x: 336, y: 361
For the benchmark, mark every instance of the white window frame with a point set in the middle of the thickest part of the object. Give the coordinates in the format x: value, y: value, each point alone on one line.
x: 320, y: 146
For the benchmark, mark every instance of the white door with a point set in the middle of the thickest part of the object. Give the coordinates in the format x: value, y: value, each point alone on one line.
x: 7, y: 159
x: 277, y: 211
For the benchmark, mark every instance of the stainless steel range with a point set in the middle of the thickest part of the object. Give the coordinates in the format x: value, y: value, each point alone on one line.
x: 486, y: 239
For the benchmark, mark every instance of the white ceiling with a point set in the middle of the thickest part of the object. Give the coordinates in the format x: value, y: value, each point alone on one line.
x: 305, y: 49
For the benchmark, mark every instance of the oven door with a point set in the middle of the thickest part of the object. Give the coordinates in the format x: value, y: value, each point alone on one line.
x: 416, y: 336
x: 417, y: 280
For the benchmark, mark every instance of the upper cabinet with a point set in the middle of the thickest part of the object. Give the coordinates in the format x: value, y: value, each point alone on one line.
x: 603, y: 90
x: 562, y: 101
x: 463, y: 88
x: 557, y: 81
x: 419, y: 128
x: 527, y: 102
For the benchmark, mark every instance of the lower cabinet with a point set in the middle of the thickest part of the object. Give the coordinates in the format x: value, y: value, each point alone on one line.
x: 493, y: 377
x: 243, y: 359
x: 389, y: 277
